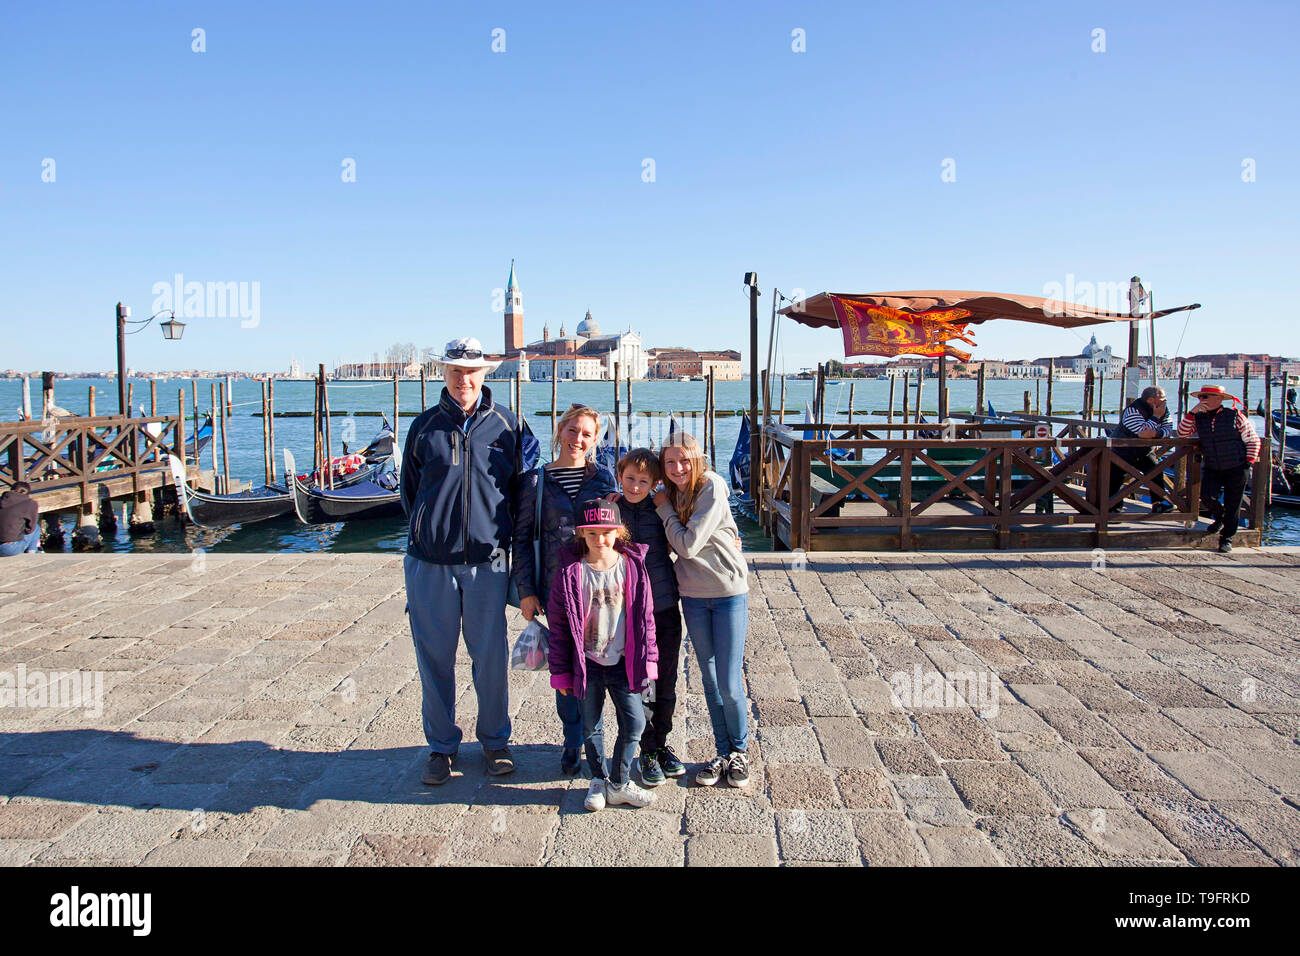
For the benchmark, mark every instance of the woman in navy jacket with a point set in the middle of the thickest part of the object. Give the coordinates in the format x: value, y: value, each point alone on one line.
x: 570, y: 479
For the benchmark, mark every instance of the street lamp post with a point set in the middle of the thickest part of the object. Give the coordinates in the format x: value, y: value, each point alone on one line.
x: 171, y: 330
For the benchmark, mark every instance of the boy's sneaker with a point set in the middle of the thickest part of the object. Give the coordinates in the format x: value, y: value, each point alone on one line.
x: 651, y: 774
x: 569, y: 763
x: 438, y: 770
x: 1225, y: 546
x: 628, y: 793
x: 668, y: 762
x: 595, y: 796
x: 711, y: 772
x: 738, y: 769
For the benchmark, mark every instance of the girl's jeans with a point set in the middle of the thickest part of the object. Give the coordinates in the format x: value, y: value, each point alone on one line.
x: 716, y: 628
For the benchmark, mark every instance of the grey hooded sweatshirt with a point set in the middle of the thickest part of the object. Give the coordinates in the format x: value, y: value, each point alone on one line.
x: 708, y: 565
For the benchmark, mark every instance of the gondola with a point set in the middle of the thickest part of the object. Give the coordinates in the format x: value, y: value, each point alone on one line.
x: 376, y: 496
x: 275, y: 500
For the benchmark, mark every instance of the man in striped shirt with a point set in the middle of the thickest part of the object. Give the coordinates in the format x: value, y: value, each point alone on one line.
x: 1229, y: 447
x: 1145, y: 417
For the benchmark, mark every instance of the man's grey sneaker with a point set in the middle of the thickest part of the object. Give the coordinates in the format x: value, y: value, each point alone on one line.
x: 595, y: 796
x: 711, y: 772
x: 668, y: 762
x: 1225, y: 545
x: 628, y: 794
x: 738, y: 769
x: 437, y: 771
x: 499, y: 761
x: 569, y: 763
x: 1215, y: 527
x: 651, y: 774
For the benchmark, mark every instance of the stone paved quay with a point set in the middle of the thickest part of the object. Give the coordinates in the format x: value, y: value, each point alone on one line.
x: 264, y: 710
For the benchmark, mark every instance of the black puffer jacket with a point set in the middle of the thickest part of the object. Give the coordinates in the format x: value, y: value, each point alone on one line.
x: 646, y: 528
x: 559, y: 518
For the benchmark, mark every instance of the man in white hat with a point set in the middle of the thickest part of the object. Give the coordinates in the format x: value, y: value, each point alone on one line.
x: 460, y: 478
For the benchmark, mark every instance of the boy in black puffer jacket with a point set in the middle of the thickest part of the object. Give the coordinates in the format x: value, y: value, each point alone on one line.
x: 638, y: 473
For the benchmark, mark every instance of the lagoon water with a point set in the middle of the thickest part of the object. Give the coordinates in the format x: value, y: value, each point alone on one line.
x: 244, y: 431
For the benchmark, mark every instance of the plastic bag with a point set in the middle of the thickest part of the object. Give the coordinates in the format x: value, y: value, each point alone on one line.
x: 530, y: 650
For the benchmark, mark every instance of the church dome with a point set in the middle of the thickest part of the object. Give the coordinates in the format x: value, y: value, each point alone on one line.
x: 587, y: 328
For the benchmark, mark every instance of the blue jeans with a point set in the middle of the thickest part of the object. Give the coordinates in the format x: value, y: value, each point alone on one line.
x: 570, y: 710
x: 631, y: 720
x: 25, y: 545
x: 716, y: 628
x: 441, y: 599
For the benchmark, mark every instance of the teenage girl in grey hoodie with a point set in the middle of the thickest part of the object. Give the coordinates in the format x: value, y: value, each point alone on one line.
x: 712, y: 579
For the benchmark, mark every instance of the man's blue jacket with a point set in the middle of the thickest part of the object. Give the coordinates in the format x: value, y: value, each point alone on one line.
x: 460, y: 482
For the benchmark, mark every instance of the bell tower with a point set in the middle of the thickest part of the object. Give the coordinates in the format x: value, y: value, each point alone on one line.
x: 514, y: 315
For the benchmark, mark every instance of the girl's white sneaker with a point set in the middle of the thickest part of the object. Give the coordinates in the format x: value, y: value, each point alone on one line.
x: 595, y: 796
x: 630, y: 794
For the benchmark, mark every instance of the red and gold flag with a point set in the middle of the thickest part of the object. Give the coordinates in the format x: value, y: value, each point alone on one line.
x: 879, y: 330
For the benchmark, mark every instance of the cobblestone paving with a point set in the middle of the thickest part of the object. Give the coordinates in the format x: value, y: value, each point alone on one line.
x: 264, y: 710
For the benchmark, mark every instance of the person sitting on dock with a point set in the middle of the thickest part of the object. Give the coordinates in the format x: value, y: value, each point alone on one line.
x: 1145, y: 417
x: 1229, y: 447
x: 20, y: 531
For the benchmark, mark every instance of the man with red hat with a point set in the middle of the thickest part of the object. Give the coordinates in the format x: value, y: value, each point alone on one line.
x: 1229, y: 446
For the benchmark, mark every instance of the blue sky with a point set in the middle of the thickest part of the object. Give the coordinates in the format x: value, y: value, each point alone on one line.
x: 821, y: 170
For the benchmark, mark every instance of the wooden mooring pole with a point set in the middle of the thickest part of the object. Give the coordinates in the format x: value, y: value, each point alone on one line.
x: 907, y: 392
x: 216, y: 412
x: 270, y: 416
x: 329, y: 431
x: 225, y: 445
x: 892, y: 381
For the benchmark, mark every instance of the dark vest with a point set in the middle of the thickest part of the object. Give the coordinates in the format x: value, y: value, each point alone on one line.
x: 1221, y: 443
x: 1148, y: 413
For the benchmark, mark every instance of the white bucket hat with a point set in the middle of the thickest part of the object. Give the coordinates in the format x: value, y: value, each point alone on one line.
x: 466, y: 353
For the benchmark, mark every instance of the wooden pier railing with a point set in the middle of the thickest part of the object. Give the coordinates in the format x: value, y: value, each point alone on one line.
x: 73, y: 462
x: 976, y: 484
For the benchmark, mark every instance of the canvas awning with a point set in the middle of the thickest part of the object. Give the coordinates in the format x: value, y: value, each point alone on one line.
x: 817, y: 311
